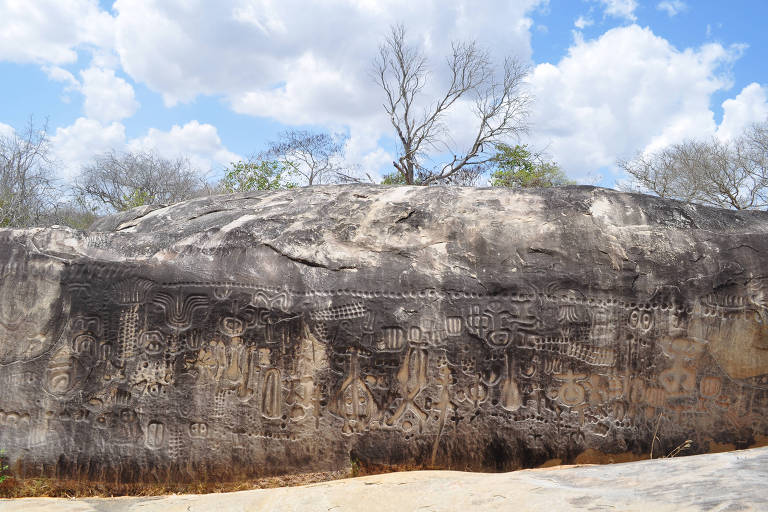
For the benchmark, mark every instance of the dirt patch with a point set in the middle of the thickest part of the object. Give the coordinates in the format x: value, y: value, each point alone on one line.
x: 38, y: 487
x: 551, y: 463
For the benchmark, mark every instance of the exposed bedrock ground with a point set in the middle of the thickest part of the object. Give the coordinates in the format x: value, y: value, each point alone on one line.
x: 487, y: 329
x: 704, y: 483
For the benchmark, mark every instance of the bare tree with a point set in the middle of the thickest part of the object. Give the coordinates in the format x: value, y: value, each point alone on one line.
x: 730, y: 174
x: 72, y: 212
x: 501, y: 107
x: 120, y: 181
x: 26, y: 183
x: 313, y: 156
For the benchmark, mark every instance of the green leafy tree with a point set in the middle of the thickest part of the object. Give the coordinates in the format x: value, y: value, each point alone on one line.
x: 393, y: 178
x: 137, y: 197
x: 257, y: 175
x: 517, y: 167
x: 467, y: 177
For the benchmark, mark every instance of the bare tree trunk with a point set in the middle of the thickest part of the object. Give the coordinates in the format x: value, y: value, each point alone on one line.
x: 500, y: 105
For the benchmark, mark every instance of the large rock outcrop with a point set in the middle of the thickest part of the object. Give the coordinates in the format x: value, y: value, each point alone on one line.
x: 260, y: 333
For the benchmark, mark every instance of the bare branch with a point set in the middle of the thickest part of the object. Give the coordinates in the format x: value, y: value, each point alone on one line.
x: 501, y: 107
x: 119, y: 181
x: 27, y: 189
x: 316, y: 157
x: 722, y: 174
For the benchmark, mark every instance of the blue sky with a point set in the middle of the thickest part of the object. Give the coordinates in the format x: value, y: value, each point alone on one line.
x: 217, y: 80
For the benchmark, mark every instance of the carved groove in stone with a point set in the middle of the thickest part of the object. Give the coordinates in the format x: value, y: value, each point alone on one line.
x: 510, y: 328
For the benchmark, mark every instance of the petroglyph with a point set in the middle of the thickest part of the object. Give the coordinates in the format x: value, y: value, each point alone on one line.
x: 238, y: 360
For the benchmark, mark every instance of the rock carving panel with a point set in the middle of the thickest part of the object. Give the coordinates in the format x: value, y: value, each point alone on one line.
x: 113, y: 370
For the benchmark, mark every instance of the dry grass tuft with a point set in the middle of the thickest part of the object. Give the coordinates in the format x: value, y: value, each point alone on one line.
x: 55, y: 488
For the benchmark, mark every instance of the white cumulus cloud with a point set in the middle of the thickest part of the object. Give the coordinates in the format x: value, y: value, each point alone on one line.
x: 582, y: 22
x: 77, y: 144
x: 58, y: 74
x: 6, y: 130
x: 748, y: 107
x: 672, y: 7
x: 625, y: 91
x: 620, y: 8
x: 270, y: 57
x: 107, y: 96
x: 305, y: 63
x: 50, y: 31
x: 198, y: 141
x: 274, y: 59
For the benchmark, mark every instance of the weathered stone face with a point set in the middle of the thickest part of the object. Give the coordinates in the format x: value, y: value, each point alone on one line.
x: 263, y: 333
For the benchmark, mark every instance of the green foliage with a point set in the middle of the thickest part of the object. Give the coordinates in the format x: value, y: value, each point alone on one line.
x: 258, y: 175
x: 393, y: 178
x: 354, y: 467
x: 137, y: 197
x: 3, y: 467
x: 5, y: 221
x: 517, y: 167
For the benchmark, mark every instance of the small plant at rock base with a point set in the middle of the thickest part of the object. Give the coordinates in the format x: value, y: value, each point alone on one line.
x: 655, y: 434
x: 676, y: 451
x: 679, y: 449
x: 3, y: 467
x: 354, y: 469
